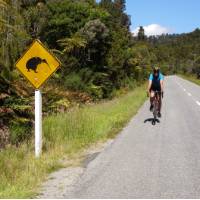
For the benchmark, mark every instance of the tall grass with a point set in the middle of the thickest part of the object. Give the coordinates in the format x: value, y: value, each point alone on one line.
x: 64, y: 135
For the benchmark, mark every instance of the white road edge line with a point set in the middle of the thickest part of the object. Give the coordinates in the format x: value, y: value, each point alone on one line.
x: 189, y: 94
x: 198, y: 103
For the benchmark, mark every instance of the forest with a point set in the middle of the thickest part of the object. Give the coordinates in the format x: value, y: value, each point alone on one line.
x: 100, y: 56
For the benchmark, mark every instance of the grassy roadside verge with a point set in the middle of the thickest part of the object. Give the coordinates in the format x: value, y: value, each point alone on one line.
x: 64, y: 135
x: 190, y: 77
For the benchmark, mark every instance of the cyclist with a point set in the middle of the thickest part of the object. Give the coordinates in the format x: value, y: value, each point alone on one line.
x: 155, y: 84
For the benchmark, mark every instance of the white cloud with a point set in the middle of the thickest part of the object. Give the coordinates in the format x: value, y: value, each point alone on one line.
x: 153, y: 29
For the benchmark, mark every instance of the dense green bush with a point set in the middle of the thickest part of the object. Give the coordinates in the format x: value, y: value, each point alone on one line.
x: 74, y: 82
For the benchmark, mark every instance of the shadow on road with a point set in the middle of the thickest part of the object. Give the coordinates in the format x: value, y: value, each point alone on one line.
x: 151, y: 120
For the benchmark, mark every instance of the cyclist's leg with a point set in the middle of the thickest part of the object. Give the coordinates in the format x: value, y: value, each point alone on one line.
x: 158, y: 88
x: 159, y: 104
x: 152, y: 95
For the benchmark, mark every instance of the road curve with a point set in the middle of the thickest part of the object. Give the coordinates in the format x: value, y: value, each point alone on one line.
x: 145, y: 161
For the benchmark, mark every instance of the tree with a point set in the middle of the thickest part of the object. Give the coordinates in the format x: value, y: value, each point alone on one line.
x: 67, y: 17
x: 96, y: 35
x: 120, y: 5
x: 141, y: 34
x: 13, y: 37
x: 107, y: 4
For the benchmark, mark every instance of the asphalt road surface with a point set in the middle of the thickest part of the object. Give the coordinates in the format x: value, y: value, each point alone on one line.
x: 145, y: 161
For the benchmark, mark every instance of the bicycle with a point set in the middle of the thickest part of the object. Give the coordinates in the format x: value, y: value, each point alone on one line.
x: 156, y: 106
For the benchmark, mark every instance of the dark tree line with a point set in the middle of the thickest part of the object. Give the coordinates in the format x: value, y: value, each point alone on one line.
x: 93, y: 41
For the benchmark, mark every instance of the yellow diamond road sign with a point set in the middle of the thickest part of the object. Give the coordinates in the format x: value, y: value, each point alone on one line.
x: 37, y: 64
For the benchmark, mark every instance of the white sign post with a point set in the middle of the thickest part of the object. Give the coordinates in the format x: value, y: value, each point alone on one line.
x: 38, y: 123
x: 37, y: 64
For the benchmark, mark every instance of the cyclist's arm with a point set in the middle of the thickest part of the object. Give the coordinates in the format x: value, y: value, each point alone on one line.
x: 150, y: 82
x: 149, y: 85
x: 162, y: 85
x: 162, y: 82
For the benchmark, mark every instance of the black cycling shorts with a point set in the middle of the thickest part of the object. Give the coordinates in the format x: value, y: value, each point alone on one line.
x: 155, y: 88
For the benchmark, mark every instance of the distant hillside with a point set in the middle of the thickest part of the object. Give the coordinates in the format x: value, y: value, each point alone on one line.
x: 181, y: 52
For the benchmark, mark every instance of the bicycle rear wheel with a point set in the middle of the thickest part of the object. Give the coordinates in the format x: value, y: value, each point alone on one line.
x: 155, y: 111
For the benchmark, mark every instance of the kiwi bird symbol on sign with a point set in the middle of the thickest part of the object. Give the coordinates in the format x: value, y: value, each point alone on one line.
x: 34, y: 62
x: 37, y: 64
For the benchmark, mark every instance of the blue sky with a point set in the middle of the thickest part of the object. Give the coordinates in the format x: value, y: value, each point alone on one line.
x: 174, y: 16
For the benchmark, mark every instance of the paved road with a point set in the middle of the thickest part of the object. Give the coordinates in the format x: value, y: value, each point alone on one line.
x: 146, y: 161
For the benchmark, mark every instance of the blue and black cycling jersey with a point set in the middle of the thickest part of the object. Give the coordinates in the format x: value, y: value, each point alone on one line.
x: 156, y: 81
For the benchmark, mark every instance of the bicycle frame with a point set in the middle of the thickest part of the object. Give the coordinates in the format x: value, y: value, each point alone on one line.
x: 155, y: 106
